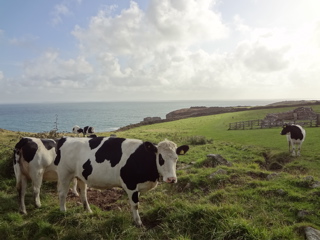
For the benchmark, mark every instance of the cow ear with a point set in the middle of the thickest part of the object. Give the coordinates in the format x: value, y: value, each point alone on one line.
x: 182, y: 149
x: 150, y: 147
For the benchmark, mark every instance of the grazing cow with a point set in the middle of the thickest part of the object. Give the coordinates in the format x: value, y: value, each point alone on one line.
x: 86, y: 130
x: 104, y: 162
x: 295, y: 136
x: 33, y: 160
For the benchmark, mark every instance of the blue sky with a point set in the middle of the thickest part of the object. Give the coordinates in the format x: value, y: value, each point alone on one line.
x: 112, y: 50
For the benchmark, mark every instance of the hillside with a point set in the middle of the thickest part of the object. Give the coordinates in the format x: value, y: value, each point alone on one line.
x: 255, y: 191
x: 204, y: 111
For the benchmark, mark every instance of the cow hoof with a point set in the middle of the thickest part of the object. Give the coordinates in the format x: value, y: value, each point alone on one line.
x: 75, y: 194
x: 24, y: 212
x: 139, y: 225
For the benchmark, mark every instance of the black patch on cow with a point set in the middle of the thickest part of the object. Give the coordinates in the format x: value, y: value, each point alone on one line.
x: 87, y: 169
x: 88, y: 129
x: 110, y: 151
x: 95, y: 142
x: 49, y: 144
x: 135, y: 197
x: 140, y: 167
x: 58, y: 152
x: 161, y: 160
x: 28, y: 147
x: 295, y: 132
x: 92, y: 136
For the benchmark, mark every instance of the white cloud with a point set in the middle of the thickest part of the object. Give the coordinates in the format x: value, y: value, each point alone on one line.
x: 153, y: 48
x: 51, y: 70
x: 60, y: 10
x: 173, y: 50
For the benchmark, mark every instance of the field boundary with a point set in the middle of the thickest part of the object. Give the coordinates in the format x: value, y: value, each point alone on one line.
x: 262, y: 124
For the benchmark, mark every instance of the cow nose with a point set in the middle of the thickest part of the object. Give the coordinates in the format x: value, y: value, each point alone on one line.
x: 171, y: 180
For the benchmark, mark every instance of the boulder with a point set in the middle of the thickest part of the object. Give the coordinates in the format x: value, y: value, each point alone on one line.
x: 312, y: 234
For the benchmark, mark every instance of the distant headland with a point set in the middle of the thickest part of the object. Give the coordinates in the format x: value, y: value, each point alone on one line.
x: 197, y: 111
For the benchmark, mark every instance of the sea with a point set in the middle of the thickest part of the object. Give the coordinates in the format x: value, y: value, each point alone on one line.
x: 103, y: 116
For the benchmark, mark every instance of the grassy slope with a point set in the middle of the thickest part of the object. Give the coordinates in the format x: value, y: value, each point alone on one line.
x: 240, y: 204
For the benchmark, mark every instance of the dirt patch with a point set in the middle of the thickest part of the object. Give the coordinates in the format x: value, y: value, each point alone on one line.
x: 104, y: 199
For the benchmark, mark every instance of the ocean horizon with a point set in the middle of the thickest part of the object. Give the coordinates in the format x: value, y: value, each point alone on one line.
x: 103, y: 116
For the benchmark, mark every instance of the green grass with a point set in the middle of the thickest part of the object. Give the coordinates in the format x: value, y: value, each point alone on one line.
x: 247, y: 200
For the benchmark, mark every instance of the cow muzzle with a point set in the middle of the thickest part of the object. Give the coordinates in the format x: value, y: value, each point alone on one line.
x: 171, y: 180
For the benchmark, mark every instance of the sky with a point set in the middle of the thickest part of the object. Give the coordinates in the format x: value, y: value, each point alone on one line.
x: 159, y: 50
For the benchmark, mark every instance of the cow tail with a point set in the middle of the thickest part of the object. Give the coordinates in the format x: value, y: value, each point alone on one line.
x: 21, y: 166
x: 16, y: 167
x: 24, y: 165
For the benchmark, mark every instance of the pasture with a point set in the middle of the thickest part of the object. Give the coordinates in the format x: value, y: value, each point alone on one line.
x: 252, y: 199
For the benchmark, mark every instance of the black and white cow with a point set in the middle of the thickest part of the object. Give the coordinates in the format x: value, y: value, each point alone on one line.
x: 33, y: 160
x: 86, y: 130
x: 295, y: 136
x: 104, y: 163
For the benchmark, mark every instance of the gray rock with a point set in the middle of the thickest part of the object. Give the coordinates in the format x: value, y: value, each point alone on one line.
x: 217, y: 159
x: 220, y: 171
x: 272, y: 176
x: 303, y: 213
x: 316, y: 184
x: 312, y: 234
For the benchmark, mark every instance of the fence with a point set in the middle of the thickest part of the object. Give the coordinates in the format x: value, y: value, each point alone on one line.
x: 260, y: 123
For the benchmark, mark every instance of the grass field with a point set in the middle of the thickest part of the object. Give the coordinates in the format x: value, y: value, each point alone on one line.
x: 247, y: 200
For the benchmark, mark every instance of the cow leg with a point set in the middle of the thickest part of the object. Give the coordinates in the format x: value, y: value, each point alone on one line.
x: 289, y: 143
x: 134, y: 203
x: 22, y: 188
x: 83, y: 195
x: 74, y: 187
x: 299, y: 149
x: 293, y: 152
x: 63, y: 187
x: 36, y: 184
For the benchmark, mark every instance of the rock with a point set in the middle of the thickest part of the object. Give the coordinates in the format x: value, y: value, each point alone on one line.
x: 308, y: 178
x: 217, y: 159
x: 303, y: 213
x: 281, y: 192
x: 312, y: 234
x: 316, y: 184
x: 272, y: 176
x: 220, y: 171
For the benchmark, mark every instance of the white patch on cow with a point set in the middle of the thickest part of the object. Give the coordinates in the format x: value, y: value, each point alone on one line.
x: 80, y: 161
x: 40, y: 168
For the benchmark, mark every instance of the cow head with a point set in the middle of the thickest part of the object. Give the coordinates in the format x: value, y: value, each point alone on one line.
x: 286, y: 129
x: 76, y: 129
x: 167, y: 157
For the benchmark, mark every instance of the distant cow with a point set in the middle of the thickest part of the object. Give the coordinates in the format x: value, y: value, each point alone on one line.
x: 104, y: 163
x: 33, y: 160
x: 86, y: 130
x: 295, y: 136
